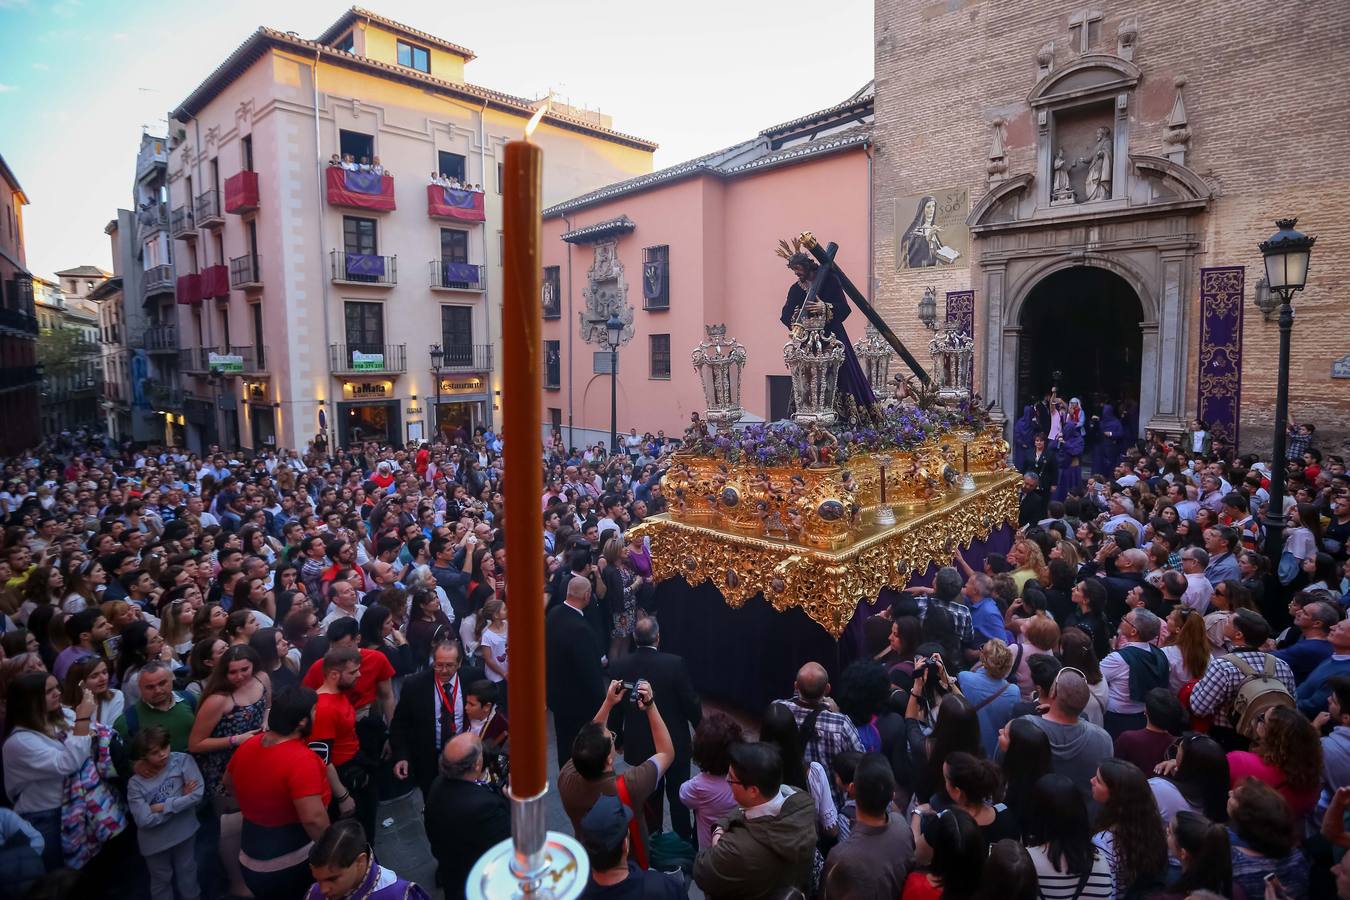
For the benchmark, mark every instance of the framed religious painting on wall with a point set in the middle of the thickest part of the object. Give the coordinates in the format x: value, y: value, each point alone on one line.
x: 931, y: 229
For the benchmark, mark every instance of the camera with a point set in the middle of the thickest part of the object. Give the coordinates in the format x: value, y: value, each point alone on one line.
x: 630, y: 691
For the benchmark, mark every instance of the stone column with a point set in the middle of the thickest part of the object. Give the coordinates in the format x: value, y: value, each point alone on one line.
x: 1169, y: 362
x: 995, y: 363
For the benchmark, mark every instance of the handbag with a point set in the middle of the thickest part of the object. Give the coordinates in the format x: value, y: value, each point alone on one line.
x: 91, y: 814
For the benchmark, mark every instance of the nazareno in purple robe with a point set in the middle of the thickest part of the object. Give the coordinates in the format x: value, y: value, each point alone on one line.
x: 853, y: 383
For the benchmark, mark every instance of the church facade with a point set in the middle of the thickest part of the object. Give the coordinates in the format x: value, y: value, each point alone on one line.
x: 1087, y: 186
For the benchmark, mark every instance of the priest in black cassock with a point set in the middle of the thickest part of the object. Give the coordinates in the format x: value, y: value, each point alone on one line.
x: 855, y: 400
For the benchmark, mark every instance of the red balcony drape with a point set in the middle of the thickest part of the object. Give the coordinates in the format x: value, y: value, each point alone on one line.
x: 454, y: 203
x: 362, y: 190
x: 188, y: 290
x: 241, y: 192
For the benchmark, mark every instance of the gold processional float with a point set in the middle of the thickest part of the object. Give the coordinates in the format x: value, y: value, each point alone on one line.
x: 817, y: 513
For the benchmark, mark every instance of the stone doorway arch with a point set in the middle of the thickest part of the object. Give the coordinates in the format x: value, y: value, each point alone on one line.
x: 1081, y: 331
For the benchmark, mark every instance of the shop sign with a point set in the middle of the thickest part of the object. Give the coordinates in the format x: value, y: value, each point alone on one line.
x: 367, y: 362
x: 470, y: 385
x: 229, y: 363
x: 369, y: 390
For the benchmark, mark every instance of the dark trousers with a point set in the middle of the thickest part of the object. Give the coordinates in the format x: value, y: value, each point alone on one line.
x: 357, y: 779
x: 565, y: 728
x: 292, y: 882
x: 669, y: 787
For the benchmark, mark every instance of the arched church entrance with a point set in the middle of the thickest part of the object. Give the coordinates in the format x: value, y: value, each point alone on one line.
x: 1081, y: 333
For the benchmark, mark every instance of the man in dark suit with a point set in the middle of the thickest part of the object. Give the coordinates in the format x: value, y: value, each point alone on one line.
x: 1031, y: 508
x: 464, y: 819
x: 681, y: 710
x: 576, y: 682
x: 430, y: 712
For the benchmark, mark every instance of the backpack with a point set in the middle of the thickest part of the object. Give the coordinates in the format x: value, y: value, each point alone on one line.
x: 1257, y: 693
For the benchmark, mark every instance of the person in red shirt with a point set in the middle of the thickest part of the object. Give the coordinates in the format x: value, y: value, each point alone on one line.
x: 334, y: 732
x: 372, y: 684
x: 283, y: 789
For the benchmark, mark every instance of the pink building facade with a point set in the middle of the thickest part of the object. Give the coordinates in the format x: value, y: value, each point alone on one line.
x: 315, y: 302
x: 693, y: 245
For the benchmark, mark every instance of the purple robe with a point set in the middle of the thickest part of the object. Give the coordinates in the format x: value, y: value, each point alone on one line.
x: 852, y: 381
x: 379, y: 884
x: 1024, y: 438
x: 1070, y: 449
x: 1110, y: 439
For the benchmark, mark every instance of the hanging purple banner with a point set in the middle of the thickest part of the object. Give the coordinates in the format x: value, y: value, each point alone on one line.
x: 362, y: 182
x: 460, y: 273
x: 961, y: 316
x: 364, y: 265
x: 1220, y: 382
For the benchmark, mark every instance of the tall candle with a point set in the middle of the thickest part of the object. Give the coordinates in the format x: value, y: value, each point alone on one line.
x: 522, y: 424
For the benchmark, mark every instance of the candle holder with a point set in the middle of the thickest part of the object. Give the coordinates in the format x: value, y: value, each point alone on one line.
x: 967, y: 479
x: 533, y: 864
x: 885, y: 515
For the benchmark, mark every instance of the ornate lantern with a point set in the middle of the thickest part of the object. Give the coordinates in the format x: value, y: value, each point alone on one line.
x: 720, y: 362
x: 875, y: 356
x: 953, y: 353
x: 813, y: 358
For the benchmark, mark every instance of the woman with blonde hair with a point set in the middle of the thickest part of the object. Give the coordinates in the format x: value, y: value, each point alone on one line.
x: 1068, y: 551
x: 989, y: 691
x: 1030, y: 563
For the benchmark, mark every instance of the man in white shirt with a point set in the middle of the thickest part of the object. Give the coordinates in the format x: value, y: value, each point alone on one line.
x: 1121, y: 509
x: 614, y: 515
x: 1132, y: 670
x: 343, y: 604
x: 1198, y: 589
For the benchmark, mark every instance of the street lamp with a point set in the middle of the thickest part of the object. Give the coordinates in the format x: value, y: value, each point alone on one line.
x: 1286, y: 255
x: 614, y: 331
x: 437, y: 357
x: 928, y: 309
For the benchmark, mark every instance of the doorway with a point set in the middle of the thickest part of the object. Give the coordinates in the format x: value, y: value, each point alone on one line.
x: 1081, y: 334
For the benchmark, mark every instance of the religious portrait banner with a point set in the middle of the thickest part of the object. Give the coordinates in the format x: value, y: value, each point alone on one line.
x: 931, y: 231
x: 1220, y: 382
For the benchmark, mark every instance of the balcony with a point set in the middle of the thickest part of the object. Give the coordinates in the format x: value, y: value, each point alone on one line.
x: 188, y: 289
x: 367, y: 359
x: 241, y: 192
x: 467, y: 358
x: 152, y: 218
x: 457, y: 276
x: 215, y: 281
x: 194, y: 359
x: 454, y: 203
x: 163, y: 397
x: 360, y: 190
x: 14, y: 377
x: 363, y: 268
x: 208, y: 210
x: 153, y: 155
x: 156, y: 280
x: 159, y: 338
x: 246, y: 272
x: 182, y: 224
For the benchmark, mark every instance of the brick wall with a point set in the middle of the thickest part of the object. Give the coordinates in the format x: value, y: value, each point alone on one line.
x: 1265, y: 95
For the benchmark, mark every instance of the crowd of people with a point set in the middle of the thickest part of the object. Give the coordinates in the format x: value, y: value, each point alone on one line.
x: 215, y: 668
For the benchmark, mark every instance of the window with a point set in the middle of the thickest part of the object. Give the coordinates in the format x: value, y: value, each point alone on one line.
x: 501, y: 176
x: 555, y: 418
x: 256, y: 310
x: 414, y: 57
x: 451, y: 165
x: 346, y: 43
x: 552, y: 297
x: 457, y: 335
x: 358, y: 235
x: 360, y: 146
x: 224, y: 329
x: 659, y: 345
x: 454, y: 245
x: 215, y: 174
x: 656, y: 277
x: 552, y: 364
x: 365, y: 326
x: 246, y: 151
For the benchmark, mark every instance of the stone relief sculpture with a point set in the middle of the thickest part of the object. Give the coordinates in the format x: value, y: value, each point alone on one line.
x: 1099, y: 170
x: 1061, y: 191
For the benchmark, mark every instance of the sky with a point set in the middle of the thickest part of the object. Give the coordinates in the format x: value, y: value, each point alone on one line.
x: 81, y: 79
